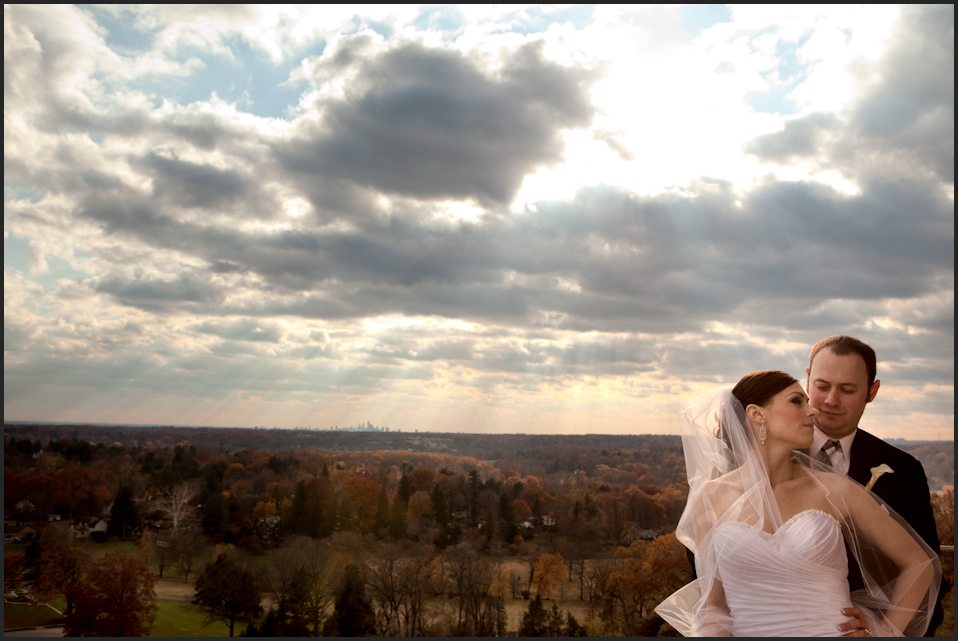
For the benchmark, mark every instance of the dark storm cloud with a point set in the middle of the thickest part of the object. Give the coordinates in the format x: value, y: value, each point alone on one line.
x: 186, y: 291
x: 604, y: 262
x: 429, y: 123
x: 190, y: 184
x: 136, y: 215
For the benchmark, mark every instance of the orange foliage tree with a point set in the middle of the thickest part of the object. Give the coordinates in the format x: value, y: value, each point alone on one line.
x: 648, y: 572
x: 115, y: 598
x: 550, y: 572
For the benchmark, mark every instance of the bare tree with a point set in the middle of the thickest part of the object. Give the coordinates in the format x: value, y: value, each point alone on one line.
x: 387, y: 591
x: 471, y: 575
x: 183, y: 544
x: 176, y: 502
x: 420, y: 575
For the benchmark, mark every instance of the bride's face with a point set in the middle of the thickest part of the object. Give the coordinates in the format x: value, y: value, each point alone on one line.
x: 790, y: 417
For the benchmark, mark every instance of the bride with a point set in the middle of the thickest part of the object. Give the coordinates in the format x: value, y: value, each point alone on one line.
x: 771, y: 529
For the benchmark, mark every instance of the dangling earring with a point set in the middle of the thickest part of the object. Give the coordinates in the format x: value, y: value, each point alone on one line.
x: 762, y: 432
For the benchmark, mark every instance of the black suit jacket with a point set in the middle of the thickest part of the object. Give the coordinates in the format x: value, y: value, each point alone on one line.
x: 905, y: 491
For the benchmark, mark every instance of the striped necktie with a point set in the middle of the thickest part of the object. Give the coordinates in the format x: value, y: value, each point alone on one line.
x: 825, y: 454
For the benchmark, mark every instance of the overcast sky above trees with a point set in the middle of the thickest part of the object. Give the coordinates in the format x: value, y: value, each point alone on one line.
x: 509, y: 218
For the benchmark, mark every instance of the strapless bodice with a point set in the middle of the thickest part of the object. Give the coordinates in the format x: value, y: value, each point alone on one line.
x: 793, y: 582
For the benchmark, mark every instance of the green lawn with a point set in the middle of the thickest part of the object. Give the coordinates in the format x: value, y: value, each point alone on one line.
x: 110, y: 545
x: 184, y: 619
x: 17, y: 615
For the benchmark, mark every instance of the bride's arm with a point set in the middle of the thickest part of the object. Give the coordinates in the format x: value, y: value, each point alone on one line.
x: 711, y: 617
x: 714, y: 619
x: 916, y: 567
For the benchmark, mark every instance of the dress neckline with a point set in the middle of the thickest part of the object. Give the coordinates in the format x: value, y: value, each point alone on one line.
x: 795, y: 516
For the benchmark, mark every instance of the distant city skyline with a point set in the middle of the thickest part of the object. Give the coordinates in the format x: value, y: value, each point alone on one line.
x: 541, y: 219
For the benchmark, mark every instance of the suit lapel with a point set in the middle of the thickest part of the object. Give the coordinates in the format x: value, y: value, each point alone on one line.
x: 862, y: 457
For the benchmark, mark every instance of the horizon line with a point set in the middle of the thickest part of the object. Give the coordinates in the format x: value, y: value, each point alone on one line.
x: 384, y: 430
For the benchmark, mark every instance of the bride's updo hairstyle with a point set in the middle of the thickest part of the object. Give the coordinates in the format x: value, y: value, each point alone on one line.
x: 756, y: 388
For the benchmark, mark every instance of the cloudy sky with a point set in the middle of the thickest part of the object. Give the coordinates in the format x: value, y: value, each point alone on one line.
x: 482, y: 218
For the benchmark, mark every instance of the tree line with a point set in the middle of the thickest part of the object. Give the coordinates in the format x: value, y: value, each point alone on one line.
x: 379, y: 542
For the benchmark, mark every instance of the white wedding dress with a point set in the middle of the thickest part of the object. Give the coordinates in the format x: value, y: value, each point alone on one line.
x: 790, y: 583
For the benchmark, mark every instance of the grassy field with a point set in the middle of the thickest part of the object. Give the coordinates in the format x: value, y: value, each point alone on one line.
x: 17, y: 615
x: 183, y: 619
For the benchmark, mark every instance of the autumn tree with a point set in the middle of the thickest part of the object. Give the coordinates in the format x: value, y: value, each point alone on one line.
x: 422, y: 479
x: 500, y: 582
x: 418, y: 512
x: 228, y: 591
x: 943, y: 506
x: 115, y: 598
x: 666, y: 569
x: 360, y: 503
x: 550, y: 572
x: 647, y: 573
x: 59, y: 566
x: 79, y: 491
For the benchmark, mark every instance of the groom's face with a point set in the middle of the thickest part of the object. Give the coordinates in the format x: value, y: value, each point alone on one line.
x: 838, y: 388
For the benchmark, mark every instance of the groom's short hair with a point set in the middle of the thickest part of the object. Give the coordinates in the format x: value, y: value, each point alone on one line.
x: 844, y: 345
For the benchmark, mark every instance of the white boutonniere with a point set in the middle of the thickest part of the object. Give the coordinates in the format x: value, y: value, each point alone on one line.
x: 877, y: 471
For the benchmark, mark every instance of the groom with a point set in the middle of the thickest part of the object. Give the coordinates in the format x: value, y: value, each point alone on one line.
x: 841, y: 381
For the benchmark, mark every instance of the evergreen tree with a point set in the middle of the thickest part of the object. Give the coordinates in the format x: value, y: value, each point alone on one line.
x: 572, y: 627
x: 472, y: 504
x: 214, y: 514
x: 267, y: 628
x: 502, y: 619
x: 397, y: 520
x: 124, y: 517
x: 507, y: 517
x: 353, y: 613
x: 381, y: 523
x: 555, y: 622
x: 405, y: 489
x: 535, y: 621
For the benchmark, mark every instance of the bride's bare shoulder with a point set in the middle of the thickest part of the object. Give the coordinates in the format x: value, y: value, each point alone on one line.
x: 727, y: 485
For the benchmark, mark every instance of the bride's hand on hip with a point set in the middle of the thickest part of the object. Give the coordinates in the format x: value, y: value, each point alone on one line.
x: 855, y: 626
